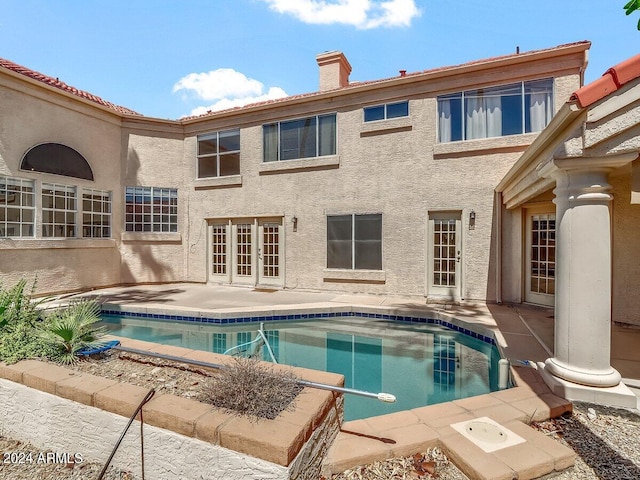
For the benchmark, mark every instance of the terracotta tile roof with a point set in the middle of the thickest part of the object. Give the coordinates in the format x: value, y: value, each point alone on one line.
x: 612, y: 80
x: 54, y: 82
x: 404, y: 74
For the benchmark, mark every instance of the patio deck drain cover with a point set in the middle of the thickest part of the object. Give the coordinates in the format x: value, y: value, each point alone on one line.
x: 487, y: 434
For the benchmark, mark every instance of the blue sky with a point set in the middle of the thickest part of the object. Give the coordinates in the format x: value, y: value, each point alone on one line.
x: 171, y: 58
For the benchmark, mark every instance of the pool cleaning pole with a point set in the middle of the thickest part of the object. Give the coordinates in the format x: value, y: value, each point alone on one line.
x: 383, y: 397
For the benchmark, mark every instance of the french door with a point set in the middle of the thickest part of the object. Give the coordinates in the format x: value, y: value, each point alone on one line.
x: 246, y: 251
x: 540, y: 257
x: 444, y: 253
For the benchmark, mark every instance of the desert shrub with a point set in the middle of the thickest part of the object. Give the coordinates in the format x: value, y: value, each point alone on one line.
x: 249, y: 387
x: 71, y: 329
x: 20, y: 319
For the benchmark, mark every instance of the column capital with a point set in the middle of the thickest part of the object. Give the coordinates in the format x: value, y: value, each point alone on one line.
x: 604, y: 164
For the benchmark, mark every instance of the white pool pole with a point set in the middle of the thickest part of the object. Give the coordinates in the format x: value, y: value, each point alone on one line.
x: 503, y: 373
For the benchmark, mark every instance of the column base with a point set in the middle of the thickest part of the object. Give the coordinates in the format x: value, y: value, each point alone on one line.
x: 590, y: 378
x: 615, y: 396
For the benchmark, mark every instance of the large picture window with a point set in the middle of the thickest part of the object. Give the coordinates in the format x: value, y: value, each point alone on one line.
x: 302, y: 138
x: 151, y: 209
x: 17, y: 207
x: 354, y: 241
x: 219, y: 154
x: 512, y: 109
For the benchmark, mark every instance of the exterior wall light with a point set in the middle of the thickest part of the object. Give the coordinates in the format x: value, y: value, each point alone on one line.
x: 472, y: 220
x: 294, y: 220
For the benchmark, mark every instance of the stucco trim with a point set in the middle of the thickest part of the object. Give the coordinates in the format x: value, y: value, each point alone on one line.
x: 381, y: 127
x: 286, y: 166
x: 484, y: 146
x: 149, y: 237
x: 354, y: 276
x: 43, y: 244
x: 218, y: 182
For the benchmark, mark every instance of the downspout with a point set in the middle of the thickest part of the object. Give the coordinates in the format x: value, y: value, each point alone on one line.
x: 497, y: 203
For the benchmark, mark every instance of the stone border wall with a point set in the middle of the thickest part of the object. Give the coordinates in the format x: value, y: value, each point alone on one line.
x: 63, y: 410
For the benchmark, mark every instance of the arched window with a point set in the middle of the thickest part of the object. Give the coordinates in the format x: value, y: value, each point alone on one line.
x: 57, y: 159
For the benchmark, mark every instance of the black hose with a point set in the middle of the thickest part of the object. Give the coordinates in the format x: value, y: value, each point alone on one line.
x: 148, y: 397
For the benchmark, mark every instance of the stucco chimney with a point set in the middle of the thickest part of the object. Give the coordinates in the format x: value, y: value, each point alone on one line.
x: 334, y: 70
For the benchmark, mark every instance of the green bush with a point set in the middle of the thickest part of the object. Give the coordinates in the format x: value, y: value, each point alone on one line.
x: 20, y: 319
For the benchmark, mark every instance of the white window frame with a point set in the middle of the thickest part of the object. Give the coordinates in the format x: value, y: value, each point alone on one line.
x: 150, y: 223
x: 217, y: 155
x: 278, y: 126
x: 353, y: 242
x: 69, y: 196
x: 521, y: 84
x: 385, y: 109
x: 21, y: 205
x: 100, y: 209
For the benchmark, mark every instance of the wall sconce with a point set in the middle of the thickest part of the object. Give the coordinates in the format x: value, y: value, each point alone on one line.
x: 472, y: 220
x: 294, y: 220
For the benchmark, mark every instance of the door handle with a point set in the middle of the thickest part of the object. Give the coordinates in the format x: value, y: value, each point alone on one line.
x: 458, y: 257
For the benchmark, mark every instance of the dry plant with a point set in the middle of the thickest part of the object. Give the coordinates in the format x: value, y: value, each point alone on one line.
x: 425, y: 465
x: 249, y: 387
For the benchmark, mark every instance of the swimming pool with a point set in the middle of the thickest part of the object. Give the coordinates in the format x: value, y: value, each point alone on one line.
x: 420, y: 362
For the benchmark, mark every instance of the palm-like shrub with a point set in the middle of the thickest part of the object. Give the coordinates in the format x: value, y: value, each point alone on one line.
x: 71, y: 329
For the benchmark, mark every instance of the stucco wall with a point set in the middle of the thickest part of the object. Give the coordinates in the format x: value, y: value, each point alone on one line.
x: 63, y: 426
x: 393, y: 167
x: 29, y: 117
x: 625, y: 240
x: 155, y: 159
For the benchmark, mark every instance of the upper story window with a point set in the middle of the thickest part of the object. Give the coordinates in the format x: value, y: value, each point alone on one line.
x: 57, y: 159
x: 512, y: 109
x: 219, y: 154
x: 151, y: 209
x: 354, y: 241
x: 17, y: 207
x: 302, y: 138
x: 386, y: 111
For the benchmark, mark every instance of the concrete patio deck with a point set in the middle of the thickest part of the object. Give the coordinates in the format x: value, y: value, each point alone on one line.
x: 522, y: 332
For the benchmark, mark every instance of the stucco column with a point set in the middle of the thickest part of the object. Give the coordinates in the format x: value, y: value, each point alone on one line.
x: 583, y: 277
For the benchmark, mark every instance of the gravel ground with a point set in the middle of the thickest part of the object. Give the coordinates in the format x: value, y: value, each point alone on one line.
x: 606, y: 440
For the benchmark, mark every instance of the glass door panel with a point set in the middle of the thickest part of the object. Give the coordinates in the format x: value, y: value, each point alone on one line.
x: 444, y: 255
x: 540, y: 257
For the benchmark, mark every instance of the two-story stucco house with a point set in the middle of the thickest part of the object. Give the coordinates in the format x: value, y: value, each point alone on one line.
x: 435, y: 184
x: 381, y: 187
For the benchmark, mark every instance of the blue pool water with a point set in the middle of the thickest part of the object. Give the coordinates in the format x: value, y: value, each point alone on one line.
x: 421, y: 364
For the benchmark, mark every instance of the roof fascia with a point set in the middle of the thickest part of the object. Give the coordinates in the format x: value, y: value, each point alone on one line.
x: 58, y: 92
x: 464, y: 69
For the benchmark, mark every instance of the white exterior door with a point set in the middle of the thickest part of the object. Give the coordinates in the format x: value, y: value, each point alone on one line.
x: 243, y: 259
x: 444, y: 254
x: 540, y: 257
x: 270, y: 252
x: 246, y: 251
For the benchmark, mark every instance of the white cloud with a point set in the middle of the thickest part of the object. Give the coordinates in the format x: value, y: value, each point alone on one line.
x: 228, y: 87
x: 225, y: 103
x: 364, y: 14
